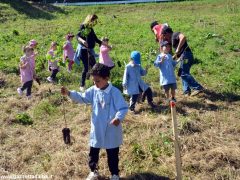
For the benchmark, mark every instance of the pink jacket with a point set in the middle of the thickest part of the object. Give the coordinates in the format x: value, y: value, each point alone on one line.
x: 104, y: 56
x: 26, y: 72
x: 33, y: 62
x: 158, y: 31
x: 68, y: 51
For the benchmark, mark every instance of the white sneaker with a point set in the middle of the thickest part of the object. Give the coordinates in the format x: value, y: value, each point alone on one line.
x: 93, y: 176
x: 50, y: 79
x: 114, y: 177
x: 82, y: 88
x: 20, y: 92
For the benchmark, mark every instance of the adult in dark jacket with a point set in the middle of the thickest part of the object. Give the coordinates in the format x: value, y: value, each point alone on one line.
x: 87, y: 40
x: 183, y: 51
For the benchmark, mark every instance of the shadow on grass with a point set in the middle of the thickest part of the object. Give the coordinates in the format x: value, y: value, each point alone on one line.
x: 34, y: 10
x: 199, y: 105
x: 225, y: 96
x: 140, y: 176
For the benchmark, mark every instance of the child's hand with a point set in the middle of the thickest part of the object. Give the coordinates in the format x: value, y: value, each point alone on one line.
x: 115, y: 122
x: 65, y: 91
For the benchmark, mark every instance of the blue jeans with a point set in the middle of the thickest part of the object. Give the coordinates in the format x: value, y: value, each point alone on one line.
x: 77, y: 54
x: 82, y: 53
x: 188, y: 81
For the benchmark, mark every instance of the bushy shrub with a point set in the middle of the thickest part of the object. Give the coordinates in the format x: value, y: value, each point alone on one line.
x: 23, y: 118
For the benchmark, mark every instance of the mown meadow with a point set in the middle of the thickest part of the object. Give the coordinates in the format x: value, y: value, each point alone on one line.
x: 30, y: 131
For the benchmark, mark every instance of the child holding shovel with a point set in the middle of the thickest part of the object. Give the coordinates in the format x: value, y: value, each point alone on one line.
x: 108, y: 111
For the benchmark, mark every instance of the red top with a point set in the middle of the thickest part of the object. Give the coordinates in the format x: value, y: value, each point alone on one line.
x: 158, y: 31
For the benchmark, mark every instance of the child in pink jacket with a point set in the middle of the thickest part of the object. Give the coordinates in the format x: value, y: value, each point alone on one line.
x: 33, y: 44
x: 52, y: 62
x: 68, y: 51
x: 104, y: 57
x: 26, y: 71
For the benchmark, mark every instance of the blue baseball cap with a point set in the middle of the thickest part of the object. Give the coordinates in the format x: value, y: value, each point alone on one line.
x: 136, y: 57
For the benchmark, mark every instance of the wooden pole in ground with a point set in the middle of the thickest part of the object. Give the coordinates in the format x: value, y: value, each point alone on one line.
x: 176, y: 141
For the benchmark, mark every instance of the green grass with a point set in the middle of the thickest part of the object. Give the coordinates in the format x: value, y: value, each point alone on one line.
x: 209, y: 125
x: 130, y: 31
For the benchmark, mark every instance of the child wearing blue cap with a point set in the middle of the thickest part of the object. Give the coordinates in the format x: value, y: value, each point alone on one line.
x: 166, y: 65
x: 132, y: 82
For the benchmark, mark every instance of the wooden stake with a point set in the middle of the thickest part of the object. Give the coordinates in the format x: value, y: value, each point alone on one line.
x: 176, y: 141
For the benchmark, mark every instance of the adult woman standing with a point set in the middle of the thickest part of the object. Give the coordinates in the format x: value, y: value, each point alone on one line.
x: 87, y: 40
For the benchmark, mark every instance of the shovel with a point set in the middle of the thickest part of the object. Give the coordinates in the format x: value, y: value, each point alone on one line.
x: 66, y: 131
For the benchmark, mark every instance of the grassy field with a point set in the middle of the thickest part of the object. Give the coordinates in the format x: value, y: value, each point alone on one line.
x: 30, y: 131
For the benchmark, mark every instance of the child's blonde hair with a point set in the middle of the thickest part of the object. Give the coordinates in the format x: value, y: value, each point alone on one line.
x: 90, y: 18
x: 27, y: 48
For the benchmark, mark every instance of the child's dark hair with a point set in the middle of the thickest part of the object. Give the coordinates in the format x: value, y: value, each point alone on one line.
x: 100, y: 70
x: 166, y: 30
x: 105, y: 39
x: 27, y: 48
x: 154, y: 23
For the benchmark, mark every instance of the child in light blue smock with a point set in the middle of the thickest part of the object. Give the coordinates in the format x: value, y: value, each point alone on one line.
x: 133, y: 83
x: 108, y: 111
x: 166, y: 65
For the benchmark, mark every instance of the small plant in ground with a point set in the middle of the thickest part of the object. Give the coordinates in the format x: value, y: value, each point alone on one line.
x: 44, y: 109
x: 15, y: 32
x: 138, y: 152
x: 23, y: 118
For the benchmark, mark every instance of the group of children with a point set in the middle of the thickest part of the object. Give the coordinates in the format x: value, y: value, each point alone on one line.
x: 108, y: 105
x: 27, y: 61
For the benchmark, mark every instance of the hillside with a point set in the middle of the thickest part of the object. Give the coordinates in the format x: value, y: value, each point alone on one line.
x: 208, y: 124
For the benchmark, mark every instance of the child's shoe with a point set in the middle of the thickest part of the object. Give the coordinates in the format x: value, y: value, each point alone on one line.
x: 29, y: 97
x: 114, y: 177
x: 20, y: 92
x: 196, y: 92
x: 173, y: 99
x: 132, y: 110
x: 93, y: 176
x: 50, y: 79
x: 187, y: 94
x: 153, y: 106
